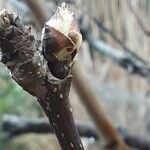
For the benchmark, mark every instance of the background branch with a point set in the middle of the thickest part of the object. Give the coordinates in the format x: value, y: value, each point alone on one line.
x: 91, y: 100
x: 128, y: 61
x: 37, y: 10
x: 15, y: 126
x: 121, y: 43
x: 134, y: 140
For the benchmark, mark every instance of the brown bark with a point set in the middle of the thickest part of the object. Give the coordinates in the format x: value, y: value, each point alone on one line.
x: 59, y: 112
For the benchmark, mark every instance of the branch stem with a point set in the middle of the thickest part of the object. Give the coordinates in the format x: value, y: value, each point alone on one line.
x: 59, y: 113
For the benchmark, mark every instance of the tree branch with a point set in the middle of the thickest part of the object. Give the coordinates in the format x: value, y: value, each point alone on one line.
x: 22, y: 56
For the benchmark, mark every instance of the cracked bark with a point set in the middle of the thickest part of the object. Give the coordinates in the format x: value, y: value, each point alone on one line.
x: 21, y: 54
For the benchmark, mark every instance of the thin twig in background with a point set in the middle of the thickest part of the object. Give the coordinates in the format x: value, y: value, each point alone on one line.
x: 108, y: 31
x: 121, y: 43
x: 15, y: 126
x: 129, y: 62
x: 134, y: 140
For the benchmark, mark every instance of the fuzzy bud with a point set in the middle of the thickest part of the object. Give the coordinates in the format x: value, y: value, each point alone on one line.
x: 61, y: 40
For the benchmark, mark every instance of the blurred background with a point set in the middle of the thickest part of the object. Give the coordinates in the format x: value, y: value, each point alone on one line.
x: 123, y: 85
